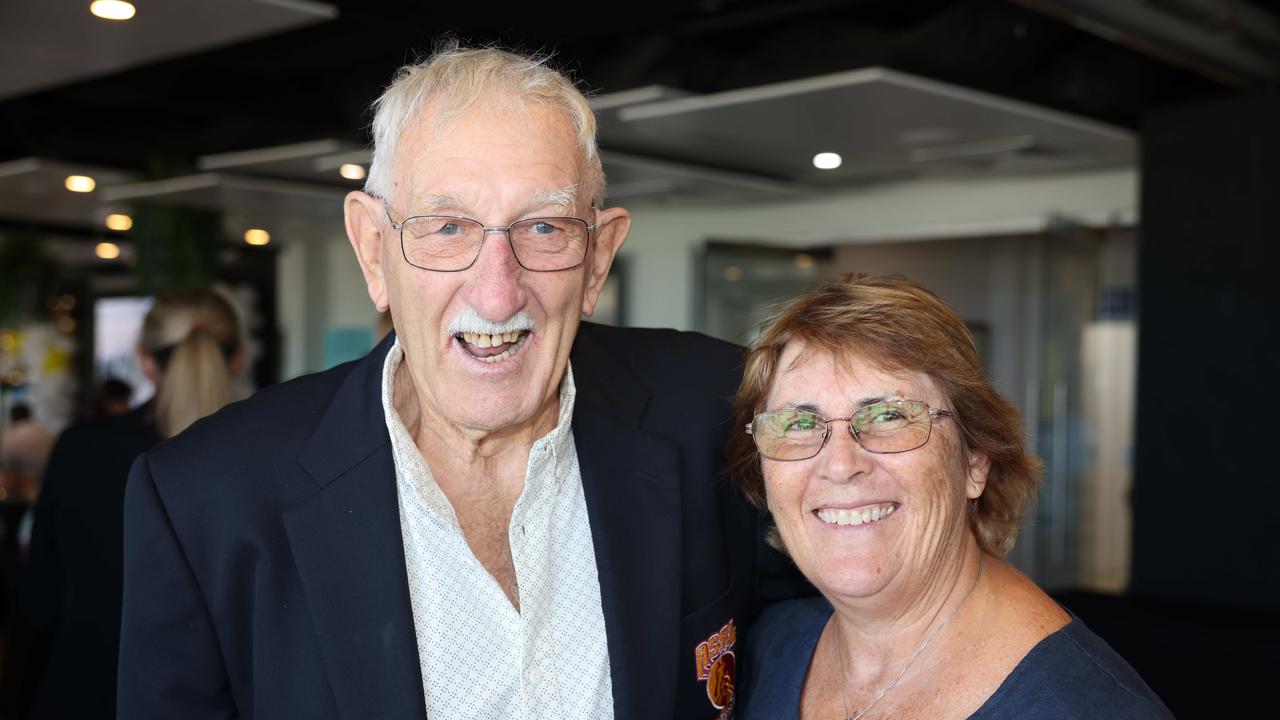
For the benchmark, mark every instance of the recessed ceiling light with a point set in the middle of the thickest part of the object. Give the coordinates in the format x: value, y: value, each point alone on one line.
x: 351, y: 171
x: 827, y: 160
x: 107, y: 251
x: 80, y: 183
x: 119, y: 222
x: 257, y: 236
x: 112, y: 9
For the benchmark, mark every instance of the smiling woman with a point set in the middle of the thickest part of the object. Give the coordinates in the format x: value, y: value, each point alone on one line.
x: 897, y: 479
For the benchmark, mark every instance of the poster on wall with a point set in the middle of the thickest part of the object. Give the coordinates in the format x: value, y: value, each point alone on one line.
x: 117, y: 325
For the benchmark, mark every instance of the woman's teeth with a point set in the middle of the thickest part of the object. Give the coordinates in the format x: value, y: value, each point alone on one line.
x: 860, y: 516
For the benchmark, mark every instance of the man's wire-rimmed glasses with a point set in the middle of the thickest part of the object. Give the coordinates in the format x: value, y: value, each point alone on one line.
x: 894, y: 426
x: 446, y: 243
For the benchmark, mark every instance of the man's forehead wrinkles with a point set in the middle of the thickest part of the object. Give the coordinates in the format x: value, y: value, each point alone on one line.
x: 427, y: 202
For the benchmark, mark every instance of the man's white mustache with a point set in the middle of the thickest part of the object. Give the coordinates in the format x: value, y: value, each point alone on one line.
x: 471, y: 321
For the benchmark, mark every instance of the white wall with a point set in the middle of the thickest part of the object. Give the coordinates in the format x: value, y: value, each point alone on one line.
x: 985, y: 280
x: 664, y: 239
x: 321, y: 286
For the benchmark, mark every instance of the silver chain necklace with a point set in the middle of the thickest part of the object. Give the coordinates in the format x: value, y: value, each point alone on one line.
x: 844, y: 681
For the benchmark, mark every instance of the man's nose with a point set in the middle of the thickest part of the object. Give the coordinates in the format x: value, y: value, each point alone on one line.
x: 497, y: 291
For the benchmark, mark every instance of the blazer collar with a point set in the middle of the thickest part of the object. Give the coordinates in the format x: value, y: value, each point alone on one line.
x: 354, y: 425
x: 631, y: 481
x: 603, y: 384
x: 346, y: 545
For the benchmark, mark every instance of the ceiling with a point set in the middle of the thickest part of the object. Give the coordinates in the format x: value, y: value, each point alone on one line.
x: 223, y: 104
x: 58, y: 43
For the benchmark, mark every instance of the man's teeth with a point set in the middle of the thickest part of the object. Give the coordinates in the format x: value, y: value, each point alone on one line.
x: 513, y: 339
x: 859, y: 516
x: 485, y: 340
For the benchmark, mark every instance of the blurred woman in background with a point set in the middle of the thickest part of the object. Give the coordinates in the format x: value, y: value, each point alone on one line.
x: 190, y: 348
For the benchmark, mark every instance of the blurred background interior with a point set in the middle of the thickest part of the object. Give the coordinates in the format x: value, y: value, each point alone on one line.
x: 1091, y: 184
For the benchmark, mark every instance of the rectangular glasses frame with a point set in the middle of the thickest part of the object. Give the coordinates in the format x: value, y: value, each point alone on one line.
x: 487, y: 230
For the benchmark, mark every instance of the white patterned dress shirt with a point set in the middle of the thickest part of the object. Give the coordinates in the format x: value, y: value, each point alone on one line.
x: 480, y: 658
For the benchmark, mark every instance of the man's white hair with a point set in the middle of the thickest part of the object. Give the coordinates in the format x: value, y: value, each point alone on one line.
x: 455, y: 78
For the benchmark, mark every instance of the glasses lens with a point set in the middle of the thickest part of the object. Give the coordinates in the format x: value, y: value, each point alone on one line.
x: 441, y: 243
x: 788, y: 434
x: 892, y: 427
x: 551, y: 243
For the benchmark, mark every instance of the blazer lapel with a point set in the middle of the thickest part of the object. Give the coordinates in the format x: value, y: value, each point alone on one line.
x: 347, y: 546
x: 632, y: 486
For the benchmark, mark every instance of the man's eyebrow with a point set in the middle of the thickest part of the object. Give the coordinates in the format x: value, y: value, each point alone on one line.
x: 565, y: 197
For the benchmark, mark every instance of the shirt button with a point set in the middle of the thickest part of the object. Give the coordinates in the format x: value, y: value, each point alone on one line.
x: 535, y: 676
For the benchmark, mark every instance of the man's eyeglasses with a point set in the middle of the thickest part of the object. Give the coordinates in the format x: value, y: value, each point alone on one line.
x: 450, y: 244
x: 884, y: 427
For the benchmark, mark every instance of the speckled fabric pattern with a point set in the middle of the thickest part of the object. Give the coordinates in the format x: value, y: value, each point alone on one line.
x: 480, y: 658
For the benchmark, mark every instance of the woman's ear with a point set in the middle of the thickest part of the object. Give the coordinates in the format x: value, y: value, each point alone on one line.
x: 979, y: 466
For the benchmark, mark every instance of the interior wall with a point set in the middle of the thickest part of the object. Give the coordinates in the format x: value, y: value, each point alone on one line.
x: 985, y: 280
x: 321, y: 287
x: 665, y: 239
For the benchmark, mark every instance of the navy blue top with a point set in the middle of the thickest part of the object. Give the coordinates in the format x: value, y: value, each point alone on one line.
x: 1072, y: 673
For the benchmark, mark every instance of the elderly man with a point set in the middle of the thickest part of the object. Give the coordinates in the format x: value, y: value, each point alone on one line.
x: 500, y: 511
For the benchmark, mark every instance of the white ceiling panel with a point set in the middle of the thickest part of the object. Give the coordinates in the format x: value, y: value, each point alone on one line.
x: 56, y: 42
x: 32, y: 190
x: 885, y: 124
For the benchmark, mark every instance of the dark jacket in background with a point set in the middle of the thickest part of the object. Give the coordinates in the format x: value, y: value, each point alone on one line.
x: 73, y: 576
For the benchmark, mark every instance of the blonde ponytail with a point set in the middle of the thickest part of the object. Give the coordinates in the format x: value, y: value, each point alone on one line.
x: 192, y: 336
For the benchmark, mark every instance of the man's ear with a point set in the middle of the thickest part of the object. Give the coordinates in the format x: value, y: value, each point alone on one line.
x: 979, y: 466
x: 612, y: 226
x: 364, y: 219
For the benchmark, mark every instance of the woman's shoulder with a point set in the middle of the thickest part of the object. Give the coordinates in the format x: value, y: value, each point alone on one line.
x: 789, y: 621
x: 1073, y: 673
x: 778, y: 650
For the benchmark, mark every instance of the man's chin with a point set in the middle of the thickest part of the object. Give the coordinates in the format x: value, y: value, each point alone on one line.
x: 496, y: 421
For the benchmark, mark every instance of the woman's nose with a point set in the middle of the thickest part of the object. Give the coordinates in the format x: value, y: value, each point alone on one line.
x: 844, y: 459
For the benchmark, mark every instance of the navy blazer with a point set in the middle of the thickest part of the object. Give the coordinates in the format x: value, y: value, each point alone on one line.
x: 265, y: 573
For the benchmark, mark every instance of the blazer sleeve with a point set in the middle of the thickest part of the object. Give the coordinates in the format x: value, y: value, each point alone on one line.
x: 171, y: 665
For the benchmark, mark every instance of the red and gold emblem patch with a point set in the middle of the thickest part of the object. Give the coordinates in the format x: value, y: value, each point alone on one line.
x: 715, y: 662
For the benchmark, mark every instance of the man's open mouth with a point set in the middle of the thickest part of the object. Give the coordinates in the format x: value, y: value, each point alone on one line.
x: 492, y: 348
